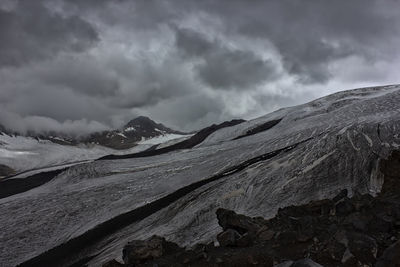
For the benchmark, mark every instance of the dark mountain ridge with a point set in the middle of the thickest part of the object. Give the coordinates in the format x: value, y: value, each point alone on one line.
x: 128, y: 136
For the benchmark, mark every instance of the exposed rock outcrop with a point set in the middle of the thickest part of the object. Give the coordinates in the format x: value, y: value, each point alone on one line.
x: 315, y: 231
x: 139, y: 251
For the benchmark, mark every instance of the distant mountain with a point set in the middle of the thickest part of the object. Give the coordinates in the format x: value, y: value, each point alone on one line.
x: 136, y: 130
x: 55, y: 137
x: 29, y: 151
x: 145, y: 127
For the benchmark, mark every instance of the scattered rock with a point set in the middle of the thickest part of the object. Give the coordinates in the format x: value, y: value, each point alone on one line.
x: 348, y: 259
x: 230, y: 220
x: 139, y: 251
x: 228, y: 238
x: 363, y: 247
x: 390, y: 257
x: 344, y: 207
x: 340, y: 196
x: 244, y: 241
x: 305, y: 263
x: 299, y: 263
x: 219, y: 260
x: 286, y: 237
x: 265, y: 234
x: 358, y: 221
x: 112, y: 263
x: 284, y: 264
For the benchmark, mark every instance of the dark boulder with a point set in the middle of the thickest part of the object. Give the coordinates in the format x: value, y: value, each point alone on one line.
x: 363, y: 247
x: 138, y: 251
x: 245, y: 240
x: 284, y: 264
x: 287, y: 237
x: 357, y: 220
x: 265, y: 234
x: 228, y: 238
x: 228, y: 219
x: 299, y: 263
x: 305, y: 263
x: 340, y: 196
x: 390, y: 168
x: 112, y: 263
x: 344, y: 207
x: 390, y: 257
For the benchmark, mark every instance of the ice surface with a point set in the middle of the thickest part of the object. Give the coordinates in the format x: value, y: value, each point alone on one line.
x: 161, y: 139
x: 26, y: 153
x: 321, y: 161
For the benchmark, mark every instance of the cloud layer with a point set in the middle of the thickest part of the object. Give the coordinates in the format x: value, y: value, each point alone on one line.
x: 82, y: 66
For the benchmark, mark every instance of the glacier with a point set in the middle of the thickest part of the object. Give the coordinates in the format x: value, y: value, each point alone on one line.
x: 316, y: 150
x: 28, y: 155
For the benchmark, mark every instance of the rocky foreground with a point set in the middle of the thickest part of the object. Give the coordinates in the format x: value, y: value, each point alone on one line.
x: 344, y: 231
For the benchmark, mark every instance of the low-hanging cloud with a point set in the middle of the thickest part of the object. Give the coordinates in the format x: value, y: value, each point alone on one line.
x: 45, y: 125
x: 224, y: 68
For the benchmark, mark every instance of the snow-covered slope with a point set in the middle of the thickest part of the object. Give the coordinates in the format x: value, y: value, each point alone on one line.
x: 26, y: 153
x: 313, y: 109
x: 166, y: 139
x: 23, y: 153
x: 314, y: 151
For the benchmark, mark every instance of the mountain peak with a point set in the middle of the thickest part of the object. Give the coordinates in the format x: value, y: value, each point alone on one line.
x: 140, y: 121
x: 147, y: 126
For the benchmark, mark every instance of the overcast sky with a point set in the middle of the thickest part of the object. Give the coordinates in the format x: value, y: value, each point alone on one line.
x: 87, y: 65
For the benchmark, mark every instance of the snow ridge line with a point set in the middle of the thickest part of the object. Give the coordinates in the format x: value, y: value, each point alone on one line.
x: 75, y: 245
x: 185, y: 144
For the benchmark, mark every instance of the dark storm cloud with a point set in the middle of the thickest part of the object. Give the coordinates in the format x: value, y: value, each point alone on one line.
x: 310, y: 34
x: 80, y: 74
x: 145, y: 82
x: 189, y: 112
x: 235, y: 69
x: 31, y: 31
x: 69, y: 64
x: 222, y: 67
x: 193, y: 44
